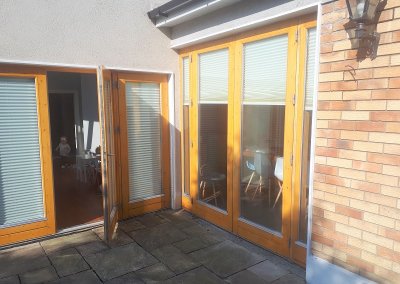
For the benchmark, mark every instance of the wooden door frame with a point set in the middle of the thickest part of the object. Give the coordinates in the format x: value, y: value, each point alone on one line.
x: 130, y: 209
x: 47, y: 226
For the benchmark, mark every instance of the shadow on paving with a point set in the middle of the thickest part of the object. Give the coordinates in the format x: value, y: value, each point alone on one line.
x: 162, y: 247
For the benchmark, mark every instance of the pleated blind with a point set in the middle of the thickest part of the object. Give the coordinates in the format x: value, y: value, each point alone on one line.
x: 264, y: 71
x: 213, y: 77
x: 185, y: 80
x: 310, y: 68
x: 144, y: 139
x: 21, y: 195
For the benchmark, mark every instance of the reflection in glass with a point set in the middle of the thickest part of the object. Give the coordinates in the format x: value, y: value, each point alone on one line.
x: 185, y: 130
x: 306, y: 145
x: 263, y: 121
x: 213, y: 118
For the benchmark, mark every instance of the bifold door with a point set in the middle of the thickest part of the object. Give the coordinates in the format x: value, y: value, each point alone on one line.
x: 143, y: 142
x: 26, y: 180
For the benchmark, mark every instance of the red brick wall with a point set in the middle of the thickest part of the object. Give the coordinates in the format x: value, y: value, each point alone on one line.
x: 356, y: 206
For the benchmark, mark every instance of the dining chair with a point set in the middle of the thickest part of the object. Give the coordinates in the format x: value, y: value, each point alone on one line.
x: 278, y: 172
x: 210, y: 178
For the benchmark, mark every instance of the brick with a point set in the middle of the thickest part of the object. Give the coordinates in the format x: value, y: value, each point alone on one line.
x: 354, y: 135
x: 324, y: 67
x: 370, y: 126
x: 378, y: 240
x: 390, y: 191
x: 387, y: 159
x: 364, y: 206
x: 386, y: 94
x: 380, y: 199
x: 390, y: 233
x: 359, y: 74
x: 336, y: 217
x: 342, y: 163
x: 396, y: 36
x: 355, y: 261
x: 391, y: 149
x: 368, y: 146
x: 350, y: 192
x: 355, y: 115
x: 335, y: 180
x: 345, y: 248
x: 392, y: 4
x: 333, y: 16
x: 337, y: 199
x: 329, y: 96
x: 325, y: 187
x: 365, y: 186
x: 388, y: 254
x: 391, y: 170
x: 382, y: 179
x: 324, y: 87
x: 328, y: 206
x: 363, y: 225
x: 353, y: 174
x: 379, y: 220
x: 346, y: 65
x: 357, y: 95
x: 394, y: 83
x: 328, y: 133
x: 386, y: 15
x: 327, y: 152
x: 319, y: 177
x: 331, y: 76
x: 358, y: 243
x: 380, y: 61
x: 342, y: 144
x: 393, y: 127
x: 342, y: 124
x: 326, y: 28
x: 385, y: 115
x: 351, y: 54
x: 349, y: 212
x: 395, y: 60
x: 393, y: 105
x: 384, y: 72
x: 331, y: 57
x: 327, y: 8
x: 322, y: 124
x: 321, y: 142
x: 397, y: 13
x: 392, y: 48
x: 376, y: 260
x: 336, y: 105
x: 320, y: 160
x: 326, y: 48
x: 373, y: 84
x: 388, y: 26
x: 346, y: 85
x: 322, y: 240
x: 384, y: 137
x: 322, y: 222
x: 354, y: 155
x: 334, y: 253
x: 342, y: 45
x: 371, y: 105
x: 328, y: 114
x: 368, y: 167
x: 390, y: 211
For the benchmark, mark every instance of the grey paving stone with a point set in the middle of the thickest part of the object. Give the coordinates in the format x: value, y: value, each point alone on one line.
x: 10, y: 280
x: 191, y: 244
x: 245, y: 276
x: 120, y: 238
x: 130, y: 278
x: 175, y: 259
x: 155, y: 273
x: 290, y: 279
x: 69, y: 241
x: 86, y: 277
x: 119, y: 261
x: 131, y: 225
x: 196, y: 276
x: 179, y: 219
x: 207, y: 235
x: 226, y: 258
x: 22, y: 259
x: 151, y: 220
x: 42, y: 275
x: 92, y: 247
x: 268, y: 271
x: 158, y: 236
x: 68, y: 261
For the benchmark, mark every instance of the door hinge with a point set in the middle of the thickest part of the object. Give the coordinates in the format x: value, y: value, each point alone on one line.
x: 289, y: 242
x: 191, y: 143
x: 191, y: 200
x: 116, y: 84
x: 117, y: 130
x: 294, y: 99
x: 191, y: 102
x: 297, y: 35
x: 190, y: 58
x: 291, y: 160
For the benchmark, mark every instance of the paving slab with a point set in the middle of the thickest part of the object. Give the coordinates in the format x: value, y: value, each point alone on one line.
x: 158, y: 236
x: 226, y: 258
x: 131, y: 225
x: 191, y: 244
x: 10, y: 280
x: 120, y: 238
x: 151, y: 220
x: 85, y: 277
x: 199, y: 275
x: 207, y: 235
x: 177, y: 261
x: 69, y: 241
x: 42, y: 275
x: 130, y: 278
x: 22, y: 259
x: 155, y: 273
x: 68, y: 261
x: 290, y: 279
x: 245, y: 276
x: 268, y: 271
x: 119, y: 261
x: 92, y: 247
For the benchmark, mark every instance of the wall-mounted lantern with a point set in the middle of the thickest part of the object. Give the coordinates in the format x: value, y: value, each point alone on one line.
x: 362, y: 12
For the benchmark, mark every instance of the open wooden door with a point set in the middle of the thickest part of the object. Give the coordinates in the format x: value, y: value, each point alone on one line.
x: 109, y: 189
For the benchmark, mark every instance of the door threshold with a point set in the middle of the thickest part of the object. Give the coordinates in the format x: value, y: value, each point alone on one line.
x: 60, y: 233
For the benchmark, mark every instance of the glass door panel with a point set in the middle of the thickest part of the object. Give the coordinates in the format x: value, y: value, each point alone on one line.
x: 185, y: 126
x: 263, y: 124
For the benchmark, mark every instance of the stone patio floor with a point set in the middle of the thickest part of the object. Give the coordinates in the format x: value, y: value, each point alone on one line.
x: 163, y: 247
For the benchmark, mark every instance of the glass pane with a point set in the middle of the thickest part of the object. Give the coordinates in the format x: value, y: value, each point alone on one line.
x: 306, y: 145
x: 263, y: 121
x: 144, y: 139
x: 185, y: 130
x: 21, y: 195
x: 213, y: 120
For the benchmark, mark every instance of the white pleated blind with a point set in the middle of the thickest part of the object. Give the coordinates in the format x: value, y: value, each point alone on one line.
x: 264, y: 71
x: 310, y: 68
x: 144, y: 139
x: 21, y: 195
x: 185, y: 80
x: 213, y: 77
